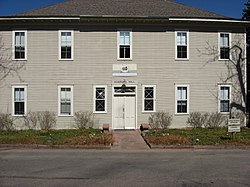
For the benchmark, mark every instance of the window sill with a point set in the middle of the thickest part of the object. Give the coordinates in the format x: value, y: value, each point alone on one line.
x: 182, y: 59
x: 223, y: 59
x: 124, y: 59
x: 181, y: 114
x: 17, y: 115
x: 60, y: 115
x: 153, y: 111
x: 102, y: 112
x: 224, y: 113
x: 19, y: 59
x: 66, y: 59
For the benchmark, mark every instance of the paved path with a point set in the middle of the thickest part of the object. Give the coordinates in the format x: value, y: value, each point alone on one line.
x: 128, y: 140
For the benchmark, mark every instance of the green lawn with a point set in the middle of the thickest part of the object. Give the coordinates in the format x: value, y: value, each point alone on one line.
x: 56, y: 137
x: 197, y: 136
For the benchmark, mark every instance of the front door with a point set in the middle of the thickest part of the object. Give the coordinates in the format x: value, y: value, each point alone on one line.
x: 124, y: 112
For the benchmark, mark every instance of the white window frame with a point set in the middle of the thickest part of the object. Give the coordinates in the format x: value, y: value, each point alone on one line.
x: 176, y: 53
x: 72, y: 45
x: 94, y: 98
x: 130, y: 42
x: 188, y: 98
x: 13, y: 100
x: 143, y: 98
x: 71, y: 100
x: 219, y: 44
x: 14, y: 44
x: 219, y: 97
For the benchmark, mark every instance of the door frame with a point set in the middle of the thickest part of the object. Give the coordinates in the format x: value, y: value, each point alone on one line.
x: 113, y: 95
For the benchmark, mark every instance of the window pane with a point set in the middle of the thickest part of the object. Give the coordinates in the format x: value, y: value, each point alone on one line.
x: 149, y: 92
x: 224, y: 39
x: 124, y: 51
x: 19, y: 108
x: 181, y: 51
x: 100, y: 93
x: 19, y: 94
x: 100, y: 105
x: 224, y: 106
x: 65, y: 108
x: 148, y: 104
x: 224, y: 93
x: 182, y: 93
x: 181, y: 38
x: 224, y: 52
x: 181, y: 106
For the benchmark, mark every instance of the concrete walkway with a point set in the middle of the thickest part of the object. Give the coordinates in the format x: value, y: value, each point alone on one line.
x: 128, y: 140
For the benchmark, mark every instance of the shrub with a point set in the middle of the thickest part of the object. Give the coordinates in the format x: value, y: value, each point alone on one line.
x: 215, y: 120
x: 160, y: 119
x: 6, y: 122
x: 197, y: 119
x: 46, y: 119
x: 84, y: 120
x: 31, y: 120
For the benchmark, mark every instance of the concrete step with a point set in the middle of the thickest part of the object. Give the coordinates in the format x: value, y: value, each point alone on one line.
x: 128, y: 140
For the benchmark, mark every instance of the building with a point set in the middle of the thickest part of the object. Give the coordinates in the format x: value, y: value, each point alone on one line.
x: 123, y: 60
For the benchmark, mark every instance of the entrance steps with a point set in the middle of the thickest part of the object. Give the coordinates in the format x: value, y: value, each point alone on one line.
x: 128, y: 140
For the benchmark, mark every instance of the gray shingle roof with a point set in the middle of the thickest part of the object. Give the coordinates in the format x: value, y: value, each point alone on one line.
x: 122, y: 8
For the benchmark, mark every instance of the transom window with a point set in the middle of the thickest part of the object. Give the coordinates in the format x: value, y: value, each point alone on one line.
x: 66, y: 45
x: 100, y: 99
x: 19, y: 45
x: 148, y: 98
x: 224, y: 99
x: 19, y: 100
x: 125, y: 45
x: 182, y: 95
x: 181, y: 44
x: 65, y: 100
x: 224, y: 46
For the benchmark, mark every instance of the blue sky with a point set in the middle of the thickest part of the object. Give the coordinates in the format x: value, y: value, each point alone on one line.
x: 231, y: 8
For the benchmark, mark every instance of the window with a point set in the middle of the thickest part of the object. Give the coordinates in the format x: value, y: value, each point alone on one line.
x: 182, y: 97
x: 224, y: 98
x: 19, y: 95
x: 19, y: 45
x: 125, y: 45
x: 65, y: 100
x: 100, y: 99
x: 148, y: 102
x: 224, y: 46
x: 182, y: 45
x: 66, y: 45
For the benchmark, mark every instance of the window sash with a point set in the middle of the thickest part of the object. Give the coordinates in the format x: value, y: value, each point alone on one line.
x: 65, y: 101
x: 100, y: 99
x: 224, y: 99
x: 124, y: 49
x: 19, y: 44
x: 149, y: 99
x: 19, y: 100
x: 224, y: 45
x: 66, y: 45
x: 182, y: 99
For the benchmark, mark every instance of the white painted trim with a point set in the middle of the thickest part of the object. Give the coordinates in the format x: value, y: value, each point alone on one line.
x: 94, y: 99
x: 188, y: 98
x: 209, y: 20
x: 25, y: 99
x: 25, y: 43
x: 143, y: 97
x: 230, y: 96
x: 72, y: 45
x: 71, y: 100
x: 118, y: 44
x: 113, y: 93
x: 188, y: 46
x: 230, y: 44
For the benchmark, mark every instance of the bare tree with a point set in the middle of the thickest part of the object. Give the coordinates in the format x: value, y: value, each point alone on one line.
x: 7, y: 65
x: 236, y: 72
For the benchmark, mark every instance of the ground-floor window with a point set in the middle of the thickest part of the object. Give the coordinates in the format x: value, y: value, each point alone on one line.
x: 224, y: 98
x: 100, y: 99
x: 65, y: 95
x: 149, y: 94
x: 19, y: 95
x: 182, y: 97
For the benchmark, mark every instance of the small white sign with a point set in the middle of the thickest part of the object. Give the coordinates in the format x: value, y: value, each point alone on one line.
x: 234, y: 125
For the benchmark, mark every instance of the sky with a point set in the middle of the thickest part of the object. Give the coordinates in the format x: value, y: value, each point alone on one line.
x: 230, y: 8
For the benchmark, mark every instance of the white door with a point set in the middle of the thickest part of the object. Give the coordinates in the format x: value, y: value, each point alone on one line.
x: 124, y: 112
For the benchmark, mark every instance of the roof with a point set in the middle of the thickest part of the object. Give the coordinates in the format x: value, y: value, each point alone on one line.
x: 122, y: 8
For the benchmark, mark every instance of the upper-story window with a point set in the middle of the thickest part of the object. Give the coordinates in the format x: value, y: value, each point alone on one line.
x: 66, y: 45
x: 124, y: 45
x: 19, y: 45
x: 224, y: 43
x: 182, y: 48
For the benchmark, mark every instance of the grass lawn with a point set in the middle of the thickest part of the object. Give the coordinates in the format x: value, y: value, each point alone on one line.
x: 197, y: 136
x: 57, y: 137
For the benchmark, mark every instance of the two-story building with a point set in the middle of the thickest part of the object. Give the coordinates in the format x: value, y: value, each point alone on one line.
x: 121, y: 59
